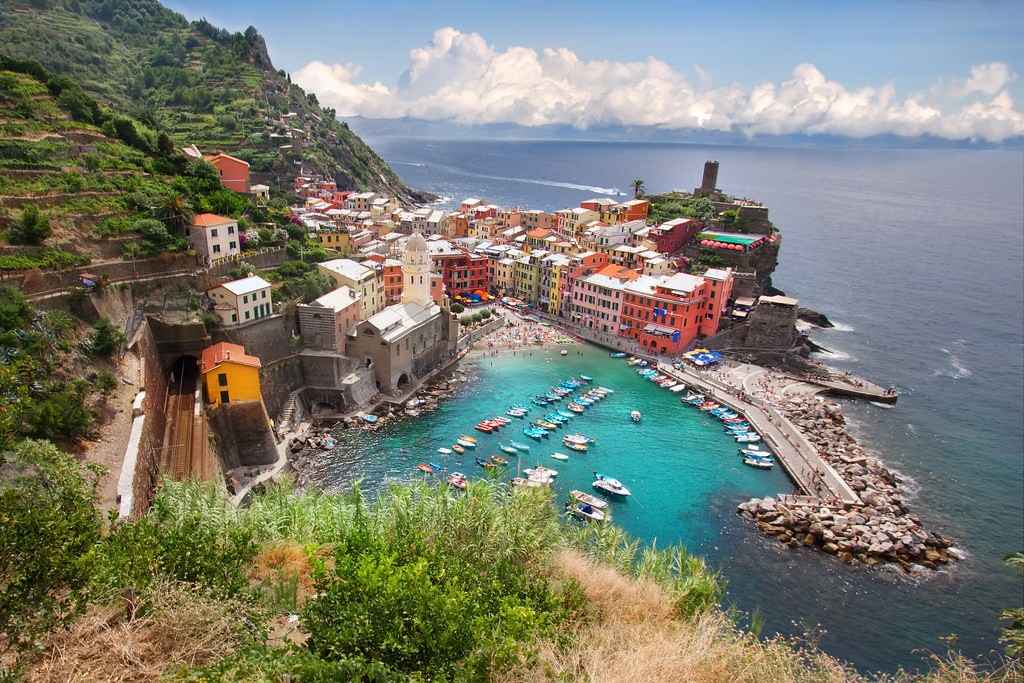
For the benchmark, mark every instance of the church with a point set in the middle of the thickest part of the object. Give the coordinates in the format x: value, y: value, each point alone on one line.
x: 406, y: 341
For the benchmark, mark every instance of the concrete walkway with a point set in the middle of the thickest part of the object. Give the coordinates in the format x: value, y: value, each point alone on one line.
x: 800, y: 459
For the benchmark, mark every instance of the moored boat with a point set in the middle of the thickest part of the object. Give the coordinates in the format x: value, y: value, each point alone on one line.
x: 610, y: 485
x: 560, y: 456
x: 457, y: 480
x: 466, y: 443
x: 519, y: 446
x: 508, y: 449
x: 578, y: 447
x: 583, y: 497
x: 458, y: 448
x: 634, y: 415
x: 759, y: 463
x: 586, y: 512
x: 444, y: 451
x: 425, y: 468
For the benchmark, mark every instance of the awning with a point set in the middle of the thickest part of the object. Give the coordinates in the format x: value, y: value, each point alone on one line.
x: 651, y: 328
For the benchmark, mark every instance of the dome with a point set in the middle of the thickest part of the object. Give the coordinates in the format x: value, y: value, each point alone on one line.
x: 416, y: 243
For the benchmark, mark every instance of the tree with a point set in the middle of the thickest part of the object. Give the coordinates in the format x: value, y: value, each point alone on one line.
x: 50, y: 525
x: 638, y: 188
x: 15, y: 312
x: 32, y: 228
x: 177, y: 213
x: 106, y: 339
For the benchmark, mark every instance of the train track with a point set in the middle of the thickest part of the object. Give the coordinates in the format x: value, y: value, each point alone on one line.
x: 181, y: 413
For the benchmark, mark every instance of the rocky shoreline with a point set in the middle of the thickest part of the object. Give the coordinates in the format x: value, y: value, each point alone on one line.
x: 879, y: 530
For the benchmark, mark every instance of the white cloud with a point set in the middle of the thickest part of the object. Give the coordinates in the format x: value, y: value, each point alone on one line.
x: 458, y: 76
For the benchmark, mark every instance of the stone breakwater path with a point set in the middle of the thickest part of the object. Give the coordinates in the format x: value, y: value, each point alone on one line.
x: 852, y: 505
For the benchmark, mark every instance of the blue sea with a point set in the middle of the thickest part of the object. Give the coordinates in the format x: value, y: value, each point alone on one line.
x: 916, y: 255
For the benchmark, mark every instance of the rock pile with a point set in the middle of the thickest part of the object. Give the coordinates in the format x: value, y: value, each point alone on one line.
x: 879, y: 530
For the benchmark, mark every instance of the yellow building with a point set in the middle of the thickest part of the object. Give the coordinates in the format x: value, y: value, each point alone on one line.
x: 337, y: 240
x: 229, y: 374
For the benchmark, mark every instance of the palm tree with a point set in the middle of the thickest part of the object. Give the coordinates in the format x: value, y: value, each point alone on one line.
x: 638, y: 188
x: 177, y: 212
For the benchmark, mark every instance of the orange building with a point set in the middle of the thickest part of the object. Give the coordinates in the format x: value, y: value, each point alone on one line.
x: 234, y: 173
x: 666, y: 314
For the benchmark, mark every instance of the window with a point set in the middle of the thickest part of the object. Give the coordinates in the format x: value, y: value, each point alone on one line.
x: 245, y: 299
x: 213, y: 233
x: 224, y: 397
x: 222, y: 379
x: 234, y: 317
x: 247, y: 315
x: 232, y: 245
x: 231, y: 230
x: 263, y: 294
x: 216, y: 249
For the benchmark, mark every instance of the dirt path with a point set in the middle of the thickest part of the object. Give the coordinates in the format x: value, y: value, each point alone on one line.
x: 108, y: 449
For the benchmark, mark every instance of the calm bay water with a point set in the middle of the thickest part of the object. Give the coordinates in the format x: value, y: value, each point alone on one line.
x: 917, y: 255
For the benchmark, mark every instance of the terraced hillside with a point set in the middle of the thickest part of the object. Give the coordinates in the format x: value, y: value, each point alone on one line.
x: 199, y: 84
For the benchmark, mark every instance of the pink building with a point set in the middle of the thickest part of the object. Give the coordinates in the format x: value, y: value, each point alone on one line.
x: 597, y: 298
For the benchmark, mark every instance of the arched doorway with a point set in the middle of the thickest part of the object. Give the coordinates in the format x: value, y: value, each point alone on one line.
x: 403, y: 381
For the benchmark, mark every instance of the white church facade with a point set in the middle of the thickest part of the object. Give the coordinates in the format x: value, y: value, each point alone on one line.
x: 406, y: 341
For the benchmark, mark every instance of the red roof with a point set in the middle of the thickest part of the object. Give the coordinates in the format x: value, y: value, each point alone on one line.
x: 223, y: 352
x: 618, y: 272
x: 538, y: 233
x: 209, y: 220
x: 214, y: 158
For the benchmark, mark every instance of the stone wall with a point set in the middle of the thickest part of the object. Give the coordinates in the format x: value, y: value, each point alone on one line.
x: 277, y: 381
x: 34, y: 282
x: 269, y: 339
x: 271, y: 257
x: 243, y: 435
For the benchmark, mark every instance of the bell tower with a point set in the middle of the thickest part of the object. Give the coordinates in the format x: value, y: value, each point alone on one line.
x: 416, y: 271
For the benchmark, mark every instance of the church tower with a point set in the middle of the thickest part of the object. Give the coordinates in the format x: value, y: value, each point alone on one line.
x: 416, y: 272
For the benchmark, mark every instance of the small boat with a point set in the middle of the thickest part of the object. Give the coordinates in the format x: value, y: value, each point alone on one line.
x: 578, y: 438
x: 544, y: 424
x: 508, y: 449
x: 370, y: 418
x: 517, y: 412
x: 457, y: 480
x: 486, y: 464
x: 677, y: 388
x: 605, y: 390
x: 560, y: 456
x: 498, y: 460
x: 634, y: 415
x: 587, y: 512
x: 575, y: 407
x: 633, y: 361
x: 466, y: 443
x: 565, y: 414
x: 425, y: 468
x: 610, y: 485
x: 594, y: 501
x: 522, y: 482
x: 759, y: 463
x: 519, y: 446
x: 617, y: 354
x: 535, y: 432
x: 586, y: 378
x: 458, y: 448
x: 444, y: 451
x: 483, y: 427
x: 748, y: 437
x: 541, y: 472
x: 564, y: 352
x: 466, y: 437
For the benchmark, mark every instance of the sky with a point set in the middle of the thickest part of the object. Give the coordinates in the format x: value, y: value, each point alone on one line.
x: 949, y: 69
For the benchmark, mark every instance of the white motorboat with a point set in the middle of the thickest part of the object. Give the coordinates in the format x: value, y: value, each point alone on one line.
x: 541, y: 472
x: 587, y: 512
x: 634, y: 415
x: 609, y: 485
x: 560, y: 456
x: 759, y: 463
x: 444, y: 451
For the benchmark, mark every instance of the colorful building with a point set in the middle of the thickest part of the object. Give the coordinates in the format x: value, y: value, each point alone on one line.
x: 241, y: 301
x: 360, y: 279
x: 666, y: 314
x: 234, y: 172
x: 214, y: 237
x: 326, y: 322
x: 229, y: 374
x: 597, y: 298
x: 336, y: 239
x: 463, y: 272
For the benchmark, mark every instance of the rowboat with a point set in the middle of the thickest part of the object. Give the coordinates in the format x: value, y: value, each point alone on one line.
x: 486, y: 464
x: 519, y: 446
x: 586, y: 512
x: 613, y: 486
x: 759, y: 463
x: 578, y: 438
x: 575, y: 407
x: 565, y: 414
x: 579, y: 447
x: 444, y: 451
x: 498, y: 460
x: 425, y: 468
x: 599, y: 503
x: 748, y: 437
x: 467, y: 437
x: 559, y: 456
x: 586, y: 378
x: 458, y: 448
x: 535, y: 432
x: 466, y: 443
x: 457, y: 480
x: 483, y: 427
x: 544, y: 424
x: 508, y: 449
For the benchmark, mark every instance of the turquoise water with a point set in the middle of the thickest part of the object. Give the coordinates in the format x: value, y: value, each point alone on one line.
x: 675, y: 462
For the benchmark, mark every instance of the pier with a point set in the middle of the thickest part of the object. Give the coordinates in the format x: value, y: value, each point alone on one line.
x: 811, y: 473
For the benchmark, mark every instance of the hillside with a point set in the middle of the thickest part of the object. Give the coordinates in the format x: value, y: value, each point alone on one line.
x: 199, y: 84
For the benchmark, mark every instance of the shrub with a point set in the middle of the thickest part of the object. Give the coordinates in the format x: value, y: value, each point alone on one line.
x: 106, y: 339
x: 31, y: 228
x: 457, y: 307
x: 50, y: 524
x: 15, y: 311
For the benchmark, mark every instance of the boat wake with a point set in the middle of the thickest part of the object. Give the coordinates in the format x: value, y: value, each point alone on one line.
x: 611, y: 191
x: 842, y: 327
x: 417, y: 164
x: 836, y: 355
x: 956, y: 369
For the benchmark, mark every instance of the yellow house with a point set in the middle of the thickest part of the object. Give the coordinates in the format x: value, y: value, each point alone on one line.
x: 336, y: 240
x: 229, y: 374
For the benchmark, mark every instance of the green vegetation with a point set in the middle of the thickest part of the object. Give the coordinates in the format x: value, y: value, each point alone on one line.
x: 299, y: 281
x: 186, y: 83
x: 41, y: 389
x: 31, y: 228
x: 1013, y: 634
x: 665, y: 207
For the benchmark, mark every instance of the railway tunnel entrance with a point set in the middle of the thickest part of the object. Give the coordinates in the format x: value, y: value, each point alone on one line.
x: 185, y: 452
